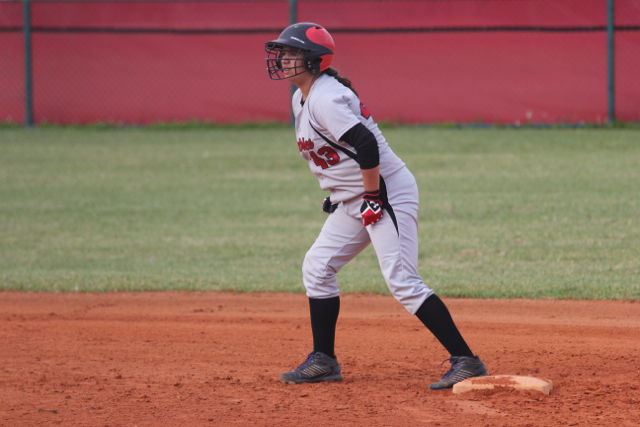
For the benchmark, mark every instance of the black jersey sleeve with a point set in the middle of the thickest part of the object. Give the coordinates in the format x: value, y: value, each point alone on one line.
x: 365, y: 144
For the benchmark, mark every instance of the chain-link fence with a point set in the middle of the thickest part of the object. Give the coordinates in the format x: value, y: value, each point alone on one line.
x: 464, y: 61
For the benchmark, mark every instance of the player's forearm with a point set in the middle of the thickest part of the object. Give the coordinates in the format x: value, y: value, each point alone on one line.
x: 371, y: 179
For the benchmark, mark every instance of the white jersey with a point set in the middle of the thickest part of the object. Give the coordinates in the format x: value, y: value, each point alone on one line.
x: 330, y: 110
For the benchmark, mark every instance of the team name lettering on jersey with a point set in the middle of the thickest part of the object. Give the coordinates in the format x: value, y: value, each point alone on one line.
x: 305, y: 145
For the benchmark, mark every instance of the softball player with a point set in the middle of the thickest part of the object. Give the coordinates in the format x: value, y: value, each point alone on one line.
x: 374, y: 199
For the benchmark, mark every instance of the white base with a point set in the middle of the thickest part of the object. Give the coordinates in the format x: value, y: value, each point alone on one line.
x: 510, y: 381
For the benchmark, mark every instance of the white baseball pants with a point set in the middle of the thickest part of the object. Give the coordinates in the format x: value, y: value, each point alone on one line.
x: 343, y: 237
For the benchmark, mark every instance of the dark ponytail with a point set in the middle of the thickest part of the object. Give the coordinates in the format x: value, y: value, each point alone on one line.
x: 345, y: 81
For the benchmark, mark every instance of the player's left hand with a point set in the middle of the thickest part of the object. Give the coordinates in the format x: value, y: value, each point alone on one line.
x: 371, y: 208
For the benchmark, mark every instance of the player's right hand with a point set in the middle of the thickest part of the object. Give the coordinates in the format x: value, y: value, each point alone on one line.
x: 371, y: 208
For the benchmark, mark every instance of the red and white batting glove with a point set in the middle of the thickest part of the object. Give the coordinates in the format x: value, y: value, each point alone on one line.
x: 371, y: 208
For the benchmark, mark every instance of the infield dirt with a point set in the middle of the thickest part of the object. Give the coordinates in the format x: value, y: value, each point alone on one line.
x: 214, y: 359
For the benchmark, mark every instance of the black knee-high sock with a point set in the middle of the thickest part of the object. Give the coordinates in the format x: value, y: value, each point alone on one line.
x: 324, y: 316
x: 436, y: 317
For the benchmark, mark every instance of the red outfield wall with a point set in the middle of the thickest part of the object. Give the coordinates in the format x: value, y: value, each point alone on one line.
x: 94, y: 61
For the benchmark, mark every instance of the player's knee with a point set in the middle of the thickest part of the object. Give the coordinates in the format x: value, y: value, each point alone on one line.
x: 312, y: 269
x: 319, y: 280
x: 307, y: 265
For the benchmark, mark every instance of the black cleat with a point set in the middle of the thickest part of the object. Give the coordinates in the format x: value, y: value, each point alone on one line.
x: 461, y: 368
x: 317, y: 368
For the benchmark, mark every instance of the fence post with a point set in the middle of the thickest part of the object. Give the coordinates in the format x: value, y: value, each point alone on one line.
x: 28, y: 77
x: 611, y: 60
x: 293, y: 18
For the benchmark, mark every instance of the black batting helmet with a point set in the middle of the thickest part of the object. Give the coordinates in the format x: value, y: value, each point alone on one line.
x: 308, y: 41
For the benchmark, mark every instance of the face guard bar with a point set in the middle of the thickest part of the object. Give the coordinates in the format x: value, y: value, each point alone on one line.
x: 275, y: 53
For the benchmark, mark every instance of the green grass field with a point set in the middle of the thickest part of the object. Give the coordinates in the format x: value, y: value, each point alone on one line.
x: 504, y: 212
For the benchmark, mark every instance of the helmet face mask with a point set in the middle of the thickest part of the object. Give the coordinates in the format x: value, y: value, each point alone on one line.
x: 304, y: 41
x: 275, y: 53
